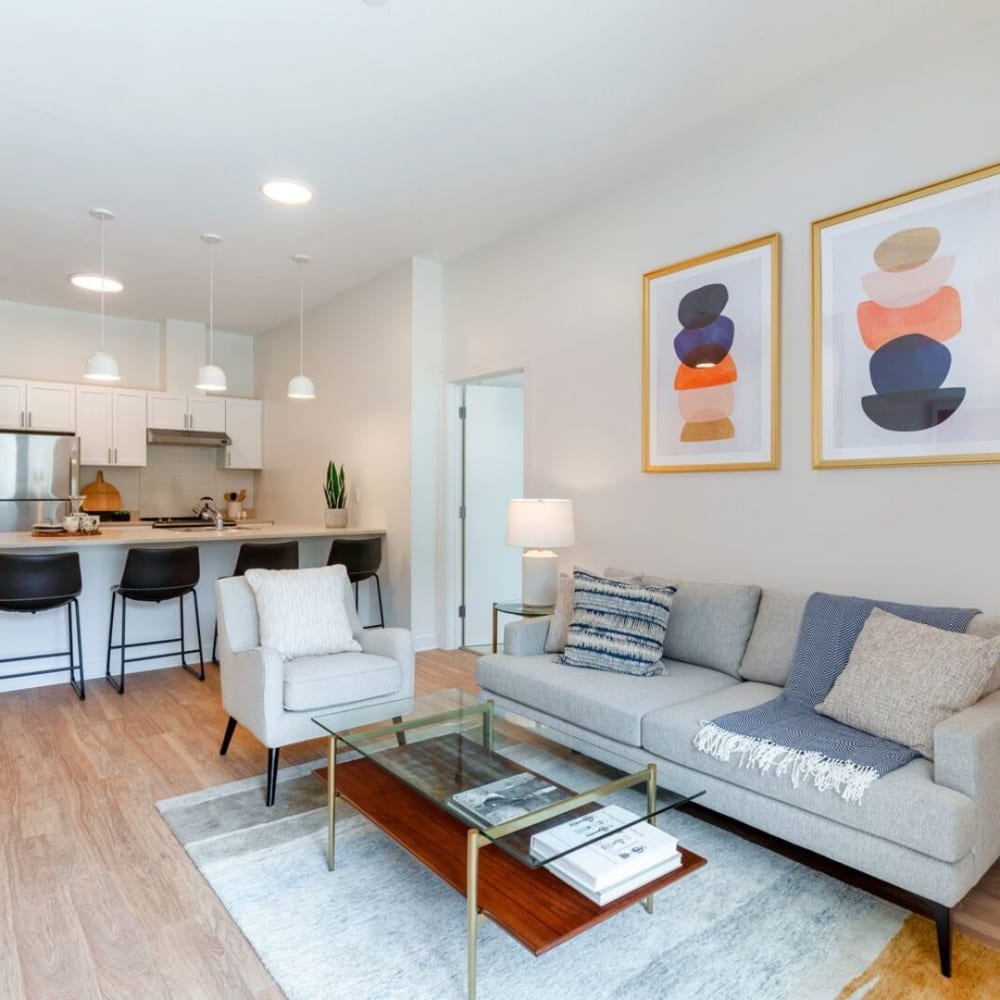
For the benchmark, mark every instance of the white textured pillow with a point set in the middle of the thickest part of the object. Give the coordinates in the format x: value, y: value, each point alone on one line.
x: 302, y: 611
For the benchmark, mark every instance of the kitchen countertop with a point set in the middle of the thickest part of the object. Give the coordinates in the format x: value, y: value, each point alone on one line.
x: 129, y: 534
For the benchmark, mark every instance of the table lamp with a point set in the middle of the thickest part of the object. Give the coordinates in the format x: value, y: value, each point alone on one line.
x: 538, y: 526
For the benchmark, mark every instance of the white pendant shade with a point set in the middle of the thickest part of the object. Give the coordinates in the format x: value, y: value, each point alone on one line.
x: 301, y: 387
x: 211, y: 378
x: 101, y: 367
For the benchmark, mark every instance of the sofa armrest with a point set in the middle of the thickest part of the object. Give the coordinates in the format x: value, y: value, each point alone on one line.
x: 526, y: 637
x: 397, y: 644
x: 967, y: 759
x: 252, y: 688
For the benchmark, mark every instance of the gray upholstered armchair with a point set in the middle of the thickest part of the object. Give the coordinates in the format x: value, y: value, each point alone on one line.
x: 276, y: 699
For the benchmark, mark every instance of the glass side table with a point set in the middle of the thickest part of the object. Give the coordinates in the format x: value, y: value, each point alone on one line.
x: 517, y: 608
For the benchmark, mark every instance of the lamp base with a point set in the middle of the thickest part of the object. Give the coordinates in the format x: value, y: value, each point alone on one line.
x: 539, y: 577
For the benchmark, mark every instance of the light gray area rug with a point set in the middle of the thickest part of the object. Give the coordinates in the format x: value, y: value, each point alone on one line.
x: 750, y: 924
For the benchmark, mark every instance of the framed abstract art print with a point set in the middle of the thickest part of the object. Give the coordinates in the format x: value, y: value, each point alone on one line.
x: 710, y: 337
x: 906, y: 328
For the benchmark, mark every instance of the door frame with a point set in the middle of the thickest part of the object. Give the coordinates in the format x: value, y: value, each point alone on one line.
x: 455, y: 490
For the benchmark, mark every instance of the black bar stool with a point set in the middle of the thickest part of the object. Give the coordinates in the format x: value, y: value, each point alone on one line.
x: 361, y: 557
x: 40, y: 582
x: 260, y: 555
x: 155, y: 575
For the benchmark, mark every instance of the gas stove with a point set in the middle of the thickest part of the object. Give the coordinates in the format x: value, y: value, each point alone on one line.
x: 184, y: 521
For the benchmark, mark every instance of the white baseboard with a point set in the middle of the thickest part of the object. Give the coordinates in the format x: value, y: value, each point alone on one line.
x: 421, y: 643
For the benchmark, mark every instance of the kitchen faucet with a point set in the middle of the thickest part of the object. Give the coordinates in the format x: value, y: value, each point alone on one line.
x: 209, y: 511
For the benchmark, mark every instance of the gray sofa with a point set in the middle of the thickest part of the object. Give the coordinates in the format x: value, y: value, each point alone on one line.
x: 931, y: 828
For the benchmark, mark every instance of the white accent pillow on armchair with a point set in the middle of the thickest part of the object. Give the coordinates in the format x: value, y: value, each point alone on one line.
x: 302, y: 611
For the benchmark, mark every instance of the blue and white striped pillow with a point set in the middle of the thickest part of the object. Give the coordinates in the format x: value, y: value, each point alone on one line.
x: 617, y: 626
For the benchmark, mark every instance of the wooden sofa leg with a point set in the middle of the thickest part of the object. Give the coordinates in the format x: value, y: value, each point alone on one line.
x: 230, y: 729
x: 272, y: 773
x: 942, y: 919
x: 401, y: 735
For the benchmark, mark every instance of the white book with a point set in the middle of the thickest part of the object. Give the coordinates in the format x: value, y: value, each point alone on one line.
x: 618, y: 856
x: 604, y: 896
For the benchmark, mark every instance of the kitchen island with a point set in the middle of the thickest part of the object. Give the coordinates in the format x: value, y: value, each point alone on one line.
x: 102, y: 558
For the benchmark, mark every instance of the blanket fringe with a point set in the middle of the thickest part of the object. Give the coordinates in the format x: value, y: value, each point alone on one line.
x: 848, y: 779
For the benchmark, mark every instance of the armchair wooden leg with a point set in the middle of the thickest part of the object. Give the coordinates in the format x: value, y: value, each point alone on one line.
x: 272, y: 773
x: 230, y: 729
x: 401, y: 735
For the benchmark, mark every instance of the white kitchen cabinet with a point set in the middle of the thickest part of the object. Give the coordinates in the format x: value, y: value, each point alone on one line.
x: 166, y: 412
x: 13, y: 404
x: 111, y: 425
x: 244, y: 425
x: 186, y: 413
x: 207, y: 413
x: 50, y: 406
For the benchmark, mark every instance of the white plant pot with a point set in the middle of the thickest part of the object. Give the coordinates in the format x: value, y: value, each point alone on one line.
x: 336, y: 518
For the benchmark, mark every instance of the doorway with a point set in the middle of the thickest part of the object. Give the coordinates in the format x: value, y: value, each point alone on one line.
x: 491, y: 418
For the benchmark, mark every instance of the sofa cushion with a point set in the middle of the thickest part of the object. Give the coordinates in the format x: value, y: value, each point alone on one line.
x: 904, y: 806
x: 314, y: 682
x: 710, y: 624
x: 610, y: 704
x: 903, y: 678
x: 771, y: 649
x: 617, y: 626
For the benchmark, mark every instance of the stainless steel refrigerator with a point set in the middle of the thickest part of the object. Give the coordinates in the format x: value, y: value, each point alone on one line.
x: 38, y: 475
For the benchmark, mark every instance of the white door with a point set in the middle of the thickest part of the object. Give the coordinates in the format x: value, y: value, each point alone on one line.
x: 494, y: 475
x: 166, y: 412
x: 129, y: 427
x: 51, y: 407
x: 243, y: 425
x: 12, y: 404
x: 94, y: 427
x: 207, y: 413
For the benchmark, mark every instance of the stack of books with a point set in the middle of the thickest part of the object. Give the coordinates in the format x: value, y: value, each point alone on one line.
x: 620, y: 862
x: 507, y: 798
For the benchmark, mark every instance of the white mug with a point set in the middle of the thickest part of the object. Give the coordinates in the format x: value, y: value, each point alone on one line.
x: 71, y: 523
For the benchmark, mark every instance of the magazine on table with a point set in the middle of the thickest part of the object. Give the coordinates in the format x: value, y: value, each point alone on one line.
x: 507, y: 798
x: 620, y: 855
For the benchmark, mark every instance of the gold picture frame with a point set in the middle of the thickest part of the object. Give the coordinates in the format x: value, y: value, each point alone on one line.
x: 718, y: 409
x: 920, y: 322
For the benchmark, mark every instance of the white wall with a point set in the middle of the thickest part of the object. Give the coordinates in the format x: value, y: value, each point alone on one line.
x: 358, y: 353
x: 184, y: 349
x: 37, y: 342
x: 563, y: 301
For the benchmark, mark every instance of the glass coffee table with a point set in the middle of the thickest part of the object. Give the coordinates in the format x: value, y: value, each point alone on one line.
x: 404, y: 778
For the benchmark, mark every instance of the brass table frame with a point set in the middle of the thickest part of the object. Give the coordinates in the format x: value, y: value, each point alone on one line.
x: 479, y: 839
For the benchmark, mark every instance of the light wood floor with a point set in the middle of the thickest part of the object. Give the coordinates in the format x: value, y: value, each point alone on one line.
x: 97, y: 898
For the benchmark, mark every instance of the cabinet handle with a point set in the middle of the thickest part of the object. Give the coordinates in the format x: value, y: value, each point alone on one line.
x: 191, y: 421
x: 29, y: 418
x: 109, y: 454
x: 229, y: 458
x: 22, y: 418
x: 116, y: 456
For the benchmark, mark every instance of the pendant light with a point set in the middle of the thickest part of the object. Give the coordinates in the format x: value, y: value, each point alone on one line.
x: 301, y: 386
x: 102, y: 367
x: 211, y: 378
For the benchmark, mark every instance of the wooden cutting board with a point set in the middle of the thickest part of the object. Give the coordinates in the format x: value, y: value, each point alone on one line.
x: 100, y: 495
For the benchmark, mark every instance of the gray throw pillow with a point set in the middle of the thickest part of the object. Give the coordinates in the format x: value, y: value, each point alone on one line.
x: 903, y: 678
x: 555, y: 640
x: 616, y: 626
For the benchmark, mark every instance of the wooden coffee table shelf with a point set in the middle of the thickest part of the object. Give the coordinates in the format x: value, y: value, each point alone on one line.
x: 532, y: 905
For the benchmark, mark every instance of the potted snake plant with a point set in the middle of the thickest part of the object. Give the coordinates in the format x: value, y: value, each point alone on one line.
x: 335, y: 491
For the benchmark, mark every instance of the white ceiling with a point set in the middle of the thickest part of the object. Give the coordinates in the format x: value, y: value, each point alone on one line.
x: 427, y: 127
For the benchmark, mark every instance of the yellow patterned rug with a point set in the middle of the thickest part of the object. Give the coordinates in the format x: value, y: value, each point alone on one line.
x: 907, y: 969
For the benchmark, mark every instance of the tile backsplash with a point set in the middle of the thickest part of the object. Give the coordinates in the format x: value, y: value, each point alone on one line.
x: 173, y: 480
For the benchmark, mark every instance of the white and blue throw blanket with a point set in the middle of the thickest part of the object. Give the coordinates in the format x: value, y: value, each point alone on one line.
x: 786, y: 734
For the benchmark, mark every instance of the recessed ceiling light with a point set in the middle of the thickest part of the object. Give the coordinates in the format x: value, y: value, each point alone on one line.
x: 287, y: 192
x: 94, y: 282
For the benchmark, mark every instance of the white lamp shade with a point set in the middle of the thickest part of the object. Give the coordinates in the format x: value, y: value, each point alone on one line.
x: 101, y: 367
x: 540, y: 524
x: 211, y: 378
x: 301, y: 387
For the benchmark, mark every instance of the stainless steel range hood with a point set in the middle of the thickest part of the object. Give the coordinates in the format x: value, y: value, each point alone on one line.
x: 206, y: 439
